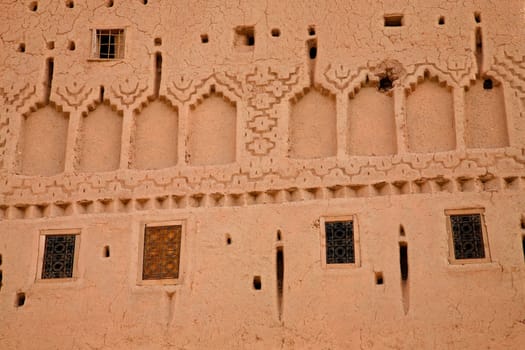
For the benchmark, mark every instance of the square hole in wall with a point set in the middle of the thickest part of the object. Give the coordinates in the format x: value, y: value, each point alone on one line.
x: 108, y: 44
x: 339, y: 241
x: 58, y: 254
x: 244, y: 37
x: 393, y: 20
x: 468, y: 242
x: 161, y: 252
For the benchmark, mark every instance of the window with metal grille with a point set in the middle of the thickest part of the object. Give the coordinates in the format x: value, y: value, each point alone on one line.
x: 58, y: 254
x: 339, y: 241
x: 161, y: 254
x: 467, y: 236
x: 108, y: 44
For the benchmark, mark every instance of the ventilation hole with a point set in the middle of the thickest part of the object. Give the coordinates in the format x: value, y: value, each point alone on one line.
x: 228, y: 240
x: 441, y: 20
x: 385, y: 84
x: 106, y: 252
x: 70, y: 4
x: 71, y: 45
x: 101, y: 96
x: 21, y: 47
x: 279, y: 259
x: 522, y: 224
x: 403, y: 260
x: 33, y: 6
x: 479, y: 48
x: 109, y: 3
x: 1, y: 278
x: 477, y: 17
x: 145, y: 2
x: 279, y: 235
x: 379, y: 278
x: 0, y: 259
x: 523, y: 246
x: 244, y: 36
x: 401, y: 231
x: 257, y: 283
x: 158, y: 73
x: 204, y: 38
x: 157, y: 41
x: 50, y: 45
x: 20, y: 299
x: 311, y: 30
x: 312, y: 48
x: 487, y: 84
x: 50, y: 66
x: 276, y: 32
x: 393, y: 20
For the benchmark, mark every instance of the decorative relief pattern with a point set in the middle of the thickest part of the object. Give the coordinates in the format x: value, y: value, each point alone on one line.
x: 161, y: 252
x: 73, y: 97
x: 340, y: 247
x: 129, y: 92
x: 266, y: 87
x: 59, y: 255
x: 467, y: 235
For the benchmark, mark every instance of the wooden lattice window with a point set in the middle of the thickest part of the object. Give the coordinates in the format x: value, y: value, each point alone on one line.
x: 339, y: 241
x: 108, y: 44
x: 468, y: 240
x: 161, y: 254
x: 58, y: 254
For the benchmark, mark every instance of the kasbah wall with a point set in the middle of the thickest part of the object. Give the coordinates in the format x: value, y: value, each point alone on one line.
x: 252, y: 126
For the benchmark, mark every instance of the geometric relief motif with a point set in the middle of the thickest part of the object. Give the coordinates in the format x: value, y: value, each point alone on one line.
x: 161, y: 252
x: 340, y: 247
x: 467, y: 236
x: 59, y: 254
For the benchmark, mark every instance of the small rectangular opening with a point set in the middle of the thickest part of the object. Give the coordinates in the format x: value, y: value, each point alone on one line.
x: 394, y: 20
x: 523, y: 245
x: 50, y: 66
x: 403, y: 260
x: 244, y: 36
x: 158, y: 73
x: 20, y: 299
x: 379, y: 278
x: 257, y: 285
x: 106, y: 252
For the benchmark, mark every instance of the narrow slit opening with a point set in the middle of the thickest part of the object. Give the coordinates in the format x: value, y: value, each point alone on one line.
x: 522, y: 223
x: 71, y: 45
x: 312, y: 48
x: 477, y: 17
x: 20, y: 299
x: 257, y: 285
x: 403, y: 260
x: 101, y: 96
x: 106, y: 252
x: 402, y: 231
x: 50, y: 66
x: 228, y: 240
x: 280, y: 277
x: 523, y: 246
x: 441, y: 20
x: 279, y: 235
x: 1, y: 278
x: 379, y: 278
x: 158, y: 73
x: 479, y: 48
x: 0, y: 259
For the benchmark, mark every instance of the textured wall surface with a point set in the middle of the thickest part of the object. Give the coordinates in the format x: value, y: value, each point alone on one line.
x: 249, y: 122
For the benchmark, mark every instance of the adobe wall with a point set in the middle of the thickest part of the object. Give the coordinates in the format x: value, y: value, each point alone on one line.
x: 250, y: 122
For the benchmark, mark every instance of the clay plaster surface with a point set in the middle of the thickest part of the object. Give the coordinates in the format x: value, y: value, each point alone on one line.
x: 242, y: 119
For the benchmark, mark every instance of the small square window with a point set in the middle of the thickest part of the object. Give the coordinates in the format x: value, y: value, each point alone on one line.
x: 161, y: 252
x: 108, y: 44
x: 339, y: 241
x: 468, y: 241
x: 58, y: 254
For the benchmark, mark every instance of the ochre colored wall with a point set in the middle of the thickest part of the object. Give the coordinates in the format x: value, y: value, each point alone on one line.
x: 249, y: 122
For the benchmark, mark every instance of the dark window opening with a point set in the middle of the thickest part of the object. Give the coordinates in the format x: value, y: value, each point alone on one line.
x: 379, y: 278
x: 158, y: 73
x: 71, y: 45
x: 393, y: 20
x: 204, y: 38
x: 157, y: 41
x: 106, y: 252
x: 477, y: 17
x: 276, y: 32
x: 101, y: 96
x: 487, y: 84
x: 441, y: 20
x: 110, y: 43
x: 59, y: 255
x: 70, y: 4
x: 33, y: 6
x: 312, y: 48
x: 21, y: 47
x: 257, y: 285
x: 340, y: 247
x: 385, y: 84
x: 228, y: 240
x: 311, y: 30
x: 20, y: 299
x: 50, y: 67
x: 279, y: 235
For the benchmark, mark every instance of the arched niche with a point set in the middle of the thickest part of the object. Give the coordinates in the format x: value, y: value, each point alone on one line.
x: 43, y: 141
x: 485, y: 116
x: 371, y: 123
x: 212, y: 131
x: 156, y: 136
x: 100, y: 140
x: 430, y: 118
x: 313, y: 126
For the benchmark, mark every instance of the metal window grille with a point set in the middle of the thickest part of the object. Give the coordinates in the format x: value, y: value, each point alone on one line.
x: 467, y: 235
x: 340, y: 246
x: 59, y: 255
x: 109, y: 44
x: 161, y: 252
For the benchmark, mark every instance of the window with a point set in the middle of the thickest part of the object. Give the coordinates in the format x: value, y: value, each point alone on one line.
x: 161, y: 252
x: 339, y: 242
x: 58, y: 254
x: 468, y: 241
x: 108, y: 44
